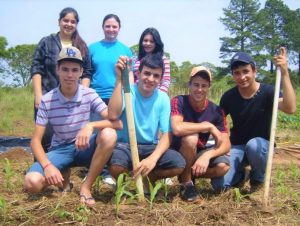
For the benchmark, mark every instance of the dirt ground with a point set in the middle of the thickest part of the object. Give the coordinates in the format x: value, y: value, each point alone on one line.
x: 233, y: 207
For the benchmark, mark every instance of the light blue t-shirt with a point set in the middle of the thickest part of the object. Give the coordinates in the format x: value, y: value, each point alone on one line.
x: 151, y: 114
x: 104, y: 55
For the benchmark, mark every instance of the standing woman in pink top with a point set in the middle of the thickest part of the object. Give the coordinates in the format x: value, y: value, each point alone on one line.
x: 151, y: 43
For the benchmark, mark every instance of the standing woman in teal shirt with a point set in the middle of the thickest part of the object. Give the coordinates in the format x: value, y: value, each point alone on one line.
x: 104, y: 55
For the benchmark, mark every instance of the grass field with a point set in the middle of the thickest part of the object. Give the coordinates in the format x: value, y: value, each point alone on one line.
x: 16, y: 108
x: 234, y: 207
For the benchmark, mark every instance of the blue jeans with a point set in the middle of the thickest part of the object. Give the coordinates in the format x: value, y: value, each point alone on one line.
x: 255, y: 154
x: 65, y: 156
x: 122, y: 157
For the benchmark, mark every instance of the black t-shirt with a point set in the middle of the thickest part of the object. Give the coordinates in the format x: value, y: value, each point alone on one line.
x: 180, y: 105
x: 250, y: 117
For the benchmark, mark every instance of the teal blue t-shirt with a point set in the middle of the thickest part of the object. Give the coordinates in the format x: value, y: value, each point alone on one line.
x: 151, y: 114
x: 104, y: 55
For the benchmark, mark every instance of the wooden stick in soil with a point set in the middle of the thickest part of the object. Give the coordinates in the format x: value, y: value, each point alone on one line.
x: 272, y: 139
x: 131, y: 132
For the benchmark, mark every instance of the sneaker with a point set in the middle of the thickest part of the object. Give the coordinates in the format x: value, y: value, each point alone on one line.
x: 188, y: 192
x: 256, y: 186
x: 109, y: 180
x: 168, y: 181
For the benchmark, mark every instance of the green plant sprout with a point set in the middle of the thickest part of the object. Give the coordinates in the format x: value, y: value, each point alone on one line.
x: 153, y: 190
x: 8, y: 174
x: 238, y: 195
x: 122, y: 185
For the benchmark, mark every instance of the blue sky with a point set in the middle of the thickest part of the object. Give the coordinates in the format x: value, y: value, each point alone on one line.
x: 190, y: 29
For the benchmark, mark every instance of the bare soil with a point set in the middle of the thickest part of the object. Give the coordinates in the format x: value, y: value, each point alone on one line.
x: 233, y: 207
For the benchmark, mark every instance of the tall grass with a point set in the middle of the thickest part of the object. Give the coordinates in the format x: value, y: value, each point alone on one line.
x: 291, y: 121
x: 217, y: 89
x: 16, y: 107
x: 220, y: 86
x: 16, y: 111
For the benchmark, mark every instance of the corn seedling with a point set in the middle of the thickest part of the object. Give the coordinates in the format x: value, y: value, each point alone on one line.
x: 3, y: 209
x: 61, y: 213
x: 238, y: 195
x: 8, y: 174
x: 98, y: 183
x: 166, y: 190
x: 153, y: 190
x: 122, y: 185
x: 82, y: 213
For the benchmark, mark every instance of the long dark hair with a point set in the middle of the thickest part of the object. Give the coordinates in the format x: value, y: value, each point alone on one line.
x: 77, y: 41
x: 159, y: 45
x: 107, y: 17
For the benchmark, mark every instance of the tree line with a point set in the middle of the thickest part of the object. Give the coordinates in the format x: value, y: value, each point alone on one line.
x: 257, y: 30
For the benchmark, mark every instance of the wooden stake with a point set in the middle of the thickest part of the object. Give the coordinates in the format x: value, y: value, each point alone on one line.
x: 131, y: 132
x: 272, y: 139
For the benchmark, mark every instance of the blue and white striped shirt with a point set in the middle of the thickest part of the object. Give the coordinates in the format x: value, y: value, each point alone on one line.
x: 67, y: 117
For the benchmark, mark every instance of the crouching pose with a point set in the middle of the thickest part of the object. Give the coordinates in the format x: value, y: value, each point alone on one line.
x: 151, y: 109
x: 67, y: 108
x: 250, y: 106
x: 194, y: 118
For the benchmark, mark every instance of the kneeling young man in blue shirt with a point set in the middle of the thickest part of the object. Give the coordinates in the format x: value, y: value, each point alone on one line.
x: 151, y: 109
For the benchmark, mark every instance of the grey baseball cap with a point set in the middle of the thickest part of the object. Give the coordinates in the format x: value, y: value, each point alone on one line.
x: 70, y: 53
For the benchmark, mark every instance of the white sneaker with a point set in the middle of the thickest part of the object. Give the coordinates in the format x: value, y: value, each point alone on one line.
x: 109, y: 180
x: 168, y: 181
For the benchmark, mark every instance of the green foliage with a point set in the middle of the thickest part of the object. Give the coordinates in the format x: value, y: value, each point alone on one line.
x: 238, y: 196
x: 240, y: 19
x: 3, y: 55
x: 8, y: 175
x: 153, y: 191
x: 3, y: 45
x: 121, y: 189
x: 19, y: 60
x: 260, y: 32
x: 98, y: 183
x: 135, y: 49
x: 3, y: 209
x: 81, y: 214
x: 59, y: 211
x: 16, y: 105
x: 219, y: 87
x: 290, y: 121
x: 166, y: 189
x: 272, y: 22
x: 294, y: 172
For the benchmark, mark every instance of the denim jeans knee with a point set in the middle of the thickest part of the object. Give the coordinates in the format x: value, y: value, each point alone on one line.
x: 257, y: 153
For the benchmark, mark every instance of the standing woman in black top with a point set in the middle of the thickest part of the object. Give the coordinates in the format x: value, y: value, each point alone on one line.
x: 43, y: 69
